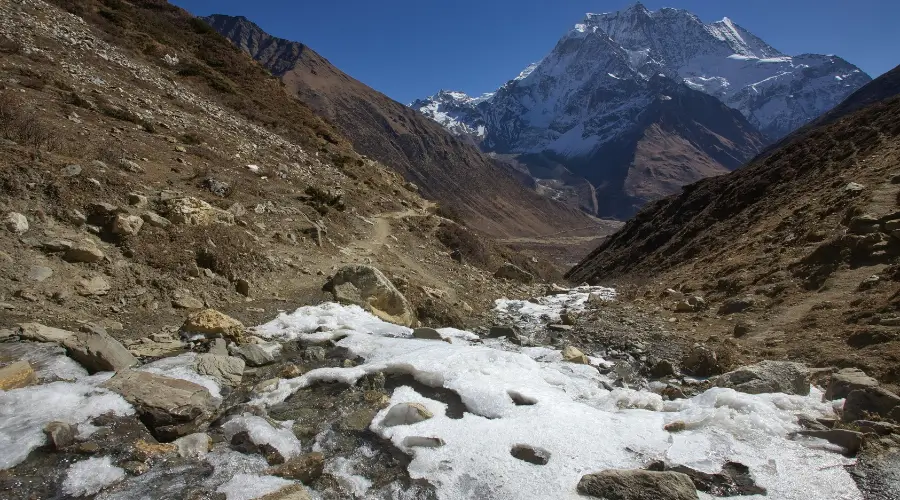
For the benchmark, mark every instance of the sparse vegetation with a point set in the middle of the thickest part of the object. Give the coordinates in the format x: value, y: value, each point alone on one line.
x: 20, y: 124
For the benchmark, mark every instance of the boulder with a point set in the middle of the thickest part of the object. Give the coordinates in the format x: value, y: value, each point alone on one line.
x: 530, y: 454
x: 15, y: 223
x: 734, y: 480
x: 618, y: 484
x: 574, y: 355
x: 870, y: 401
x: 846, y: 381
x: 405, y: 414
x: 737, y: 305
x: 663, y: 368
x: 127, y: 225
x: 155, y: 220
x: 254, y: 354
x: 701, y: 361
x: 195, y: 445
x: 742, y: 328
x: 227, y: 370
x: 305, y: 468
x: 195, y: 212
x: 768, y: 376
x: 691, y: 304
x: 60, y: 434
x: 368, y: 287
x: 97, y: 351
x: 847, y: 439
x: 83, y: 252
x: 39, y: 273
x: 169, y: 407
x: 290, y: 492
x: 499, y: 332
x: 17, y: 375
x: 514, y: 273
x: 864, y: 224
x: 187, y: 302
x: 37, y: 332
x: 426, y: 334
x: 92, y: 287
x: 215, y: 324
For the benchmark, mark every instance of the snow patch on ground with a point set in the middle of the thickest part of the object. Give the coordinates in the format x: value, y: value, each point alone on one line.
x: 250, y: 486
x: 90, y: 476
x: 262, y: 433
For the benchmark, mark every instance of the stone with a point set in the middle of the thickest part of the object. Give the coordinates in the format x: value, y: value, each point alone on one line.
x: 127, y: 225
x: 422, y: 442
x: 195, y: 445
x: 567, y: 317
x: 195, y: 212
x: 254, y: 354
x: 169, y: 407
x: 41, y: 333
x: 72, y: 170
x: 57, y: 245
x: 39, y: 273
x: 847, y: 439
x: 15, y: 223
x: 499, y: 332
x: 305, y: 468
x: 187, y: 302
x: 153, y: 219
x: 869, y: 401
x: 530, y: 454
x: 863, y: 224
x: 691, y: 304
x: 736, y: 305
x: 768, y: 376
x: 219, y: 346
x: 854, y: 187
x: 426, y: 333
x: 90, y: 287
x: 83, y: 252
x: 137, y: 200
x: 216, y: 187
x: 290, y: 492
x: 846, y: 381
x: 620, y: 484
x: 368, y: 287
x: 97, y: 351
x: 158, y: 347
x: 130, y: 166
x: 663, y: 368
x: 17, y: 375
x: 242, y: 287
x: 227, y: 370
x: 514, y: 273
x: 406, y: 414
x: 574, y: 355
x: 215, y: 324
x: 742, y: 328
x: 734, y: 480
x: 701, y: 361
x: 60, y: 434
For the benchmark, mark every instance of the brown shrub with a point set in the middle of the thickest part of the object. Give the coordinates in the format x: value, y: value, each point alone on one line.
x: 20, y: 124
x: 470, y: 245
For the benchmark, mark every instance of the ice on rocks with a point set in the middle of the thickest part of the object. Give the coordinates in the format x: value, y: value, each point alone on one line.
x: 261, y: 432
x: 88, y: 477
x: 49, y: 361
x: 182, y: 367
x: 250, y: 486
x: 535, y: 313
x: 564, y: 409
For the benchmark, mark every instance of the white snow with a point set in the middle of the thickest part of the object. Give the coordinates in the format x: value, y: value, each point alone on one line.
x: 261, y: 432
x: 585, y: 427
x: 88, y: 477
x: 534, y: 313
x: 250, y: 486
x: 25, y: 412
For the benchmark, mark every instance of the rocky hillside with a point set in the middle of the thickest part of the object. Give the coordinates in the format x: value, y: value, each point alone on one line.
x: 583, y: 105
x: 447, y: 169
x: 804, y: 240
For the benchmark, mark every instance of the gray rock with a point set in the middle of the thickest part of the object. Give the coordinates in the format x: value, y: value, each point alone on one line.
x: 195, y: 445
x: 41, y: 333
x: 701, y: 361
x: 254, y: 354
x: 155, y: 220
x: 137, y: 200
x: 127, y: 225
x: 618, y: 484
x: 195, y: 212
x: 70, y: 170
x: 368, y: 287
x: 514, y: 273
x: 737, y: 305
x: 95, y: 286
x: 742, y: 328
x: 83, y: 252
x: 219, y: 346
x: 217, y: 187
x: 97, y: 351
x: 16, y: 223
x: 427, y: 334
x: 691, y: 304
x: 499, y: 332
x: 864, y: 224
x: 663, y: 368
x: 242, y: 287
x: 169, y: 407
x: 861, y: 403
x: 57, y: 245
x: 39, y: 273
x: 768, y: 376
x: 130, y: 166
x: 305, y: 468
x: 60, y: 434
x: 406, y: 414
x: 530, y: 454
x: 846, y: 381
x: 227, y: 370
x: 187, y: 302
x: 847, y: 439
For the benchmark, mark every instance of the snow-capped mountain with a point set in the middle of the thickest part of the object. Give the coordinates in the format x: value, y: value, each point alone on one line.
x: 604, y: 83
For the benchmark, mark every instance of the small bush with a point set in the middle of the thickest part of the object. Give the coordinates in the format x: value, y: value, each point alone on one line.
x: 450, y: 213
x: 470, y: 246
x: 20, y: 124
x: 324, y: 199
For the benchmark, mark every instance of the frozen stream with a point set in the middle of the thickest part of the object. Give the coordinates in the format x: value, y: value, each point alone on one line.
x: 512, y: 395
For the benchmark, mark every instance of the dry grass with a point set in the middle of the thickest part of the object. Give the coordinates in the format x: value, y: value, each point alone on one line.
x: 20, y: 124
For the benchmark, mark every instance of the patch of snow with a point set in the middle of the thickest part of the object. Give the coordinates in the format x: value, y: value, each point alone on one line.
x: 531, y: 314
x: 88, y: 477
x: 250, y: 486
x: 343, y: 469
x: 262, y: 433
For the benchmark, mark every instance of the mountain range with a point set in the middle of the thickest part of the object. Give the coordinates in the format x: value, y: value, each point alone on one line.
x: 639, y: 103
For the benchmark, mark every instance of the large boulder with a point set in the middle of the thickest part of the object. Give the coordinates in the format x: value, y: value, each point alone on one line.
x: 846, y: 381
x: 871, y: 401
x: 368, y: 287
x: 574, y: 355
x: 195, y: 212
x: 515, y: 273
x: 97, y: 351
x: 17, y: 375
x: 213, y: 323
x: 84, y: 251
x: 701, y: 361
x: 227, y: 370
x: 15, y: 223
x: 617, y: 484
x: 169, y: 407
x: 768, y: 376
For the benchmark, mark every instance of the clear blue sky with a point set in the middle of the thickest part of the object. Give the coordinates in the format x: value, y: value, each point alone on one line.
x: 413, y: 48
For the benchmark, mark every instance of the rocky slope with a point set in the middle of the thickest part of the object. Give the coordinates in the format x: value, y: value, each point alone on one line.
x: 803, y: 240
x: 445, y: 168
x: 584, y: 104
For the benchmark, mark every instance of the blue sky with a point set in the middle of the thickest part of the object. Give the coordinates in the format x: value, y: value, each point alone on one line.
x: 413, y: 48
